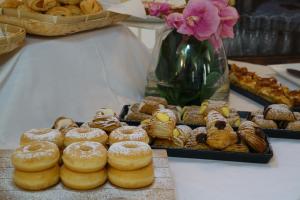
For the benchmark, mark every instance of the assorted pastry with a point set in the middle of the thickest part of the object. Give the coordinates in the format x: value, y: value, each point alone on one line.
x: 218, y: 134
x: 192, y: 115
x: 78, y: 156
x: 268, y: 88
x: 277, y: 116
x: 55, y: 7
x: 104, y: 149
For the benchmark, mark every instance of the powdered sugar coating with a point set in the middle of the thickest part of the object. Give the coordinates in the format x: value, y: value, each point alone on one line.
x: 47, y: 149
x: 85, y: 133
x: 42, y: 134
x: 136, y: 148
x: 129, y: 133
x: 96, y: 149
x: 213, y: 116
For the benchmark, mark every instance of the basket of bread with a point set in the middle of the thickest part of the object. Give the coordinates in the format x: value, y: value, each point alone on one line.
x: 11, y: 37
x: 57, y: 17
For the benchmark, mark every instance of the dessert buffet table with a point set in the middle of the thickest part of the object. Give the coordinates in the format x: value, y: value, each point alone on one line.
x: 75, y: 75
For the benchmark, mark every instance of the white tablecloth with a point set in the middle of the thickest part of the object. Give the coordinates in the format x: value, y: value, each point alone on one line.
x: 70, y: 76
x: 75, y: 75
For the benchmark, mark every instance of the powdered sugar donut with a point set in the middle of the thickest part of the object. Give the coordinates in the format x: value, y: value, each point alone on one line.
x: 35, y: 156
x: 131, y: 179
x: 129, y: 155
x: 85, y: 134
x: 36, y: 180
x: 128, y: 133
x: 82, y: 181
x: 85, y: 156
x: 43, y: 134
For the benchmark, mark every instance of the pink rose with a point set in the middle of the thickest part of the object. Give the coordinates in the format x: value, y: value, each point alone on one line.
x: 158, y: 9
x: 201, y: 19
x: 174, y: 20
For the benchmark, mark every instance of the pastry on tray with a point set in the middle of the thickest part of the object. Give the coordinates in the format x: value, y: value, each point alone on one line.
x: 219, y: 132
x: 149, y: 106
x: 209, y: 105
x: 90, y: 7
x: 264, y: 123
x: 253, y: 136
x: 268, y: 88
x: 162, y: 124
x: 297, y: 115
x: 159, y: 100
x: 177, y: 110
x: 279, y: 112
x: 64, y: 124
x: 293, y: 126
x: 234, y: 118
x: 134, y: 107
x: 106, y: 123
x: 137, y: 116
x: 197, y: 140
x: 181, y: 134
x: 192, y: 116
x: 239, y: 147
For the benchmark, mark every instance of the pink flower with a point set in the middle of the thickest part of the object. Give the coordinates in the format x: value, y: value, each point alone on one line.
x: 229, y: 17
x: 201, y: 19
x: 220, y: 3
x: 158, y: 9
x: 174, y: 20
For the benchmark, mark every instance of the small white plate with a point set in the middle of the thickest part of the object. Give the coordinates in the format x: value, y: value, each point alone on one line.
x: 281, y: 71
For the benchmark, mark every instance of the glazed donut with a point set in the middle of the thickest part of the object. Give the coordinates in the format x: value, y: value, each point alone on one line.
x: 128, y: 133
x: 43, y: 134
x: 35, y: 156
x: 85, y: 134
x: 82, y: 181
x: 36, y: 180
x: 131, y: 179
x: 129, y: 155
x: 85, y: 156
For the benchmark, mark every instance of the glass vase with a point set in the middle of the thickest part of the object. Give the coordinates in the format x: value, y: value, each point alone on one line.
x: 187, y: 71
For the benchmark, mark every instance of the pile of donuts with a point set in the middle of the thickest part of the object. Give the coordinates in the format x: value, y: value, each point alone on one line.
x: 78, y: 156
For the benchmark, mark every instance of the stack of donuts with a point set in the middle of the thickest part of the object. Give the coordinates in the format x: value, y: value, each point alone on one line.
x: 36, y: 165
x: 84, y: 165
x: 84, y: 156
x: 130, y: 164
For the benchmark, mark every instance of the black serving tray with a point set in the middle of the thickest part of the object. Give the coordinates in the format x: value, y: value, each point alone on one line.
x: 125, y: 110
x: 280, y: 133
x: 214, y: 154
x: 220, y: 155
x: 255, y: 97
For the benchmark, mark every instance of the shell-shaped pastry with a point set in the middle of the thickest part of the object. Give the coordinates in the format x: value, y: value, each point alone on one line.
x: 237, y: 148
x: 221, y: 140
x: 255, y: 142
